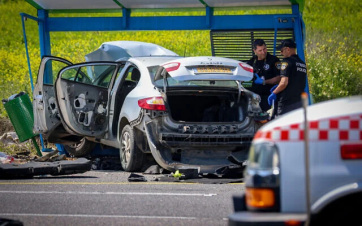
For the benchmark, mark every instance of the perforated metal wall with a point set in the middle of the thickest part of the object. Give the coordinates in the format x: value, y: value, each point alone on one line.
x: 237, y: 44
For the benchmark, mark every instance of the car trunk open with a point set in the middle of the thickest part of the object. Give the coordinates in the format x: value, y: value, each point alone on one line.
x: 217, y: 105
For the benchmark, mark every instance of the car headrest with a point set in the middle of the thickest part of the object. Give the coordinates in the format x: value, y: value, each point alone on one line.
x: 136, y: 75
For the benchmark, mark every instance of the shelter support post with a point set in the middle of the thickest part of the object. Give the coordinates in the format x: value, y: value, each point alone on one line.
x: 299, y: 39
x: 25, y: 16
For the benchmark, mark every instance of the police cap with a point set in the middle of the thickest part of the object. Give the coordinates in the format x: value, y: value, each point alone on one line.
x: 287, y: 43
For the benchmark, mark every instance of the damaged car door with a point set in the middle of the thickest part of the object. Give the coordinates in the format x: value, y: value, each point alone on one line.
x: 46, y: 116
x: 82, y: 94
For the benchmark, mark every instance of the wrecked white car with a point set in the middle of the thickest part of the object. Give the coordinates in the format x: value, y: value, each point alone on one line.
x: 188, y: 112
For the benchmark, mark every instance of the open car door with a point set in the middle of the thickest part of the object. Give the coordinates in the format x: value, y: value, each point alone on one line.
x: 46, y: 117
x: 82, y: 95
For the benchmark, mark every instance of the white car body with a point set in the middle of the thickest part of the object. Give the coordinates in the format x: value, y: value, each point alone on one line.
x: 98, y: 99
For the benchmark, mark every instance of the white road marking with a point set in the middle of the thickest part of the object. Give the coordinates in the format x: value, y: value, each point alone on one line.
x: 91, y: 215
x: 107, y: 193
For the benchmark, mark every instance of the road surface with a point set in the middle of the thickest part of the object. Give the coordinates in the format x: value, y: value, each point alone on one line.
x: 107, y: 198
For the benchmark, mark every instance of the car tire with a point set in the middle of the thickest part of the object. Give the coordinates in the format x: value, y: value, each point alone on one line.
x: 80, y: 149
x: 130, y: 155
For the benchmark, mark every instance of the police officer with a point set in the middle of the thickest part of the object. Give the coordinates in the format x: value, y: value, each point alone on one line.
x: 293, y: 74
x: 266, y: 72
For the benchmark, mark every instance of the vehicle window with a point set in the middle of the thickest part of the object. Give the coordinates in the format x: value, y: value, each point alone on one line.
x: 152, y: 70
x: 99, y: 75
x: 119, y: 72
x: 52, y: 67
x: 133, y: 75
x: 263, y: 156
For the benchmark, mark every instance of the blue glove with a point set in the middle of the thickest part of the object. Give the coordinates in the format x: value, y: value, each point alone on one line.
x: 272, y: 97
x: 273, y: 88
x: 258, y: 80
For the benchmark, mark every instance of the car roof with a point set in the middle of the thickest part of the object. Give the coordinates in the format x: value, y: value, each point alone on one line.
x: 112, y: 51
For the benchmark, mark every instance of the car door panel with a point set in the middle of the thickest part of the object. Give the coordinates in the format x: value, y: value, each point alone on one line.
x: 46, y: 118
x: 82, y: 94
x: 83, y: 107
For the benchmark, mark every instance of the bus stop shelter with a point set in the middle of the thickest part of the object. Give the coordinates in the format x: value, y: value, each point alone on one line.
x: 230, y: 35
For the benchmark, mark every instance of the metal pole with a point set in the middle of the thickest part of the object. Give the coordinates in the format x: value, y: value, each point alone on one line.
x: 306, y: 156
x: 23, y: 18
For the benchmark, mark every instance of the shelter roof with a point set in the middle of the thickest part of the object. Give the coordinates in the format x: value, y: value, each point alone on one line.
x: 155, y: 4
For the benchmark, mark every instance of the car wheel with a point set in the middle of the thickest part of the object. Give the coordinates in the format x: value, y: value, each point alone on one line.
x: 131, y: 156
x: 82, y: 148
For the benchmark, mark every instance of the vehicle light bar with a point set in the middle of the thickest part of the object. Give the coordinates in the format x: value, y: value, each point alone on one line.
x: 246, y: 67
x: 351, y: 151
x: 259, y: 197
x: 171, y: 66
x: 152, y: 103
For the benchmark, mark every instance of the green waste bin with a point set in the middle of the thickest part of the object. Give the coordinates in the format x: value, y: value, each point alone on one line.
x: 20, y: 111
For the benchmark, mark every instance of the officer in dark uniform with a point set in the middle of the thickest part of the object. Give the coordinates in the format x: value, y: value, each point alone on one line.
x: 293, y: 72
x: 266, y: 72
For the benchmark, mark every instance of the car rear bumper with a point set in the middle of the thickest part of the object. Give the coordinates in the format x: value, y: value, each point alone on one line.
x: 177, y: 139
x: 204, y: 158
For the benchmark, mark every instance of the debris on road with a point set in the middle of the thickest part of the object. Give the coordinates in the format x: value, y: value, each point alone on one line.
x: 30, y: 169
x: 48, y: 156
x: 177, y: 174
x: 136, y: 178
x: 106, y: 163
x: 8, y: 222
x: 20, y: 162
x: 9, y: 138
x: 156, y: 169
x: 4, y: 158
x: 201, y: 179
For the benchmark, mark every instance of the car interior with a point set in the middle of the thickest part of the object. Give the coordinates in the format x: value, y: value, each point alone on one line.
x: 131, y: 79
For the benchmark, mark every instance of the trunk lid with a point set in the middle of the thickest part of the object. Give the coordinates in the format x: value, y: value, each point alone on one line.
x: 202, y: 72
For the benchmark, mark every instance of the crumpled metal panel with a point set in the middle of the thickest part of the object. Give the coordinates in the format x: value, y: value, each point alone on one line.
x: 112, y: 51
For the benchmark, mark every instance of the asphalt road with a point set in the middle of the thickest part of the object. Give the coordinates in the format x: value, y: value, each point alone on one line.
x: 107, y: 198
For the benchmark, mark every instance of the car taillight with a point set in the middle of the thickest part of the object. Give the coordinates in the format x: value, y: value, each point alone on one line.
x: 246, y: 67
x: 351, y: 151
x: 260, y: 198
x: 152, y: 103
x: 171, y: 66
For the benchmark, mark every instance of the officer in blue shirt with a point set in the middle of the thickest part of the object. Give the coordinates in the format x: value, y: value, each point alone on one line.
x: 266, y: 72
x: 293, y: 72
